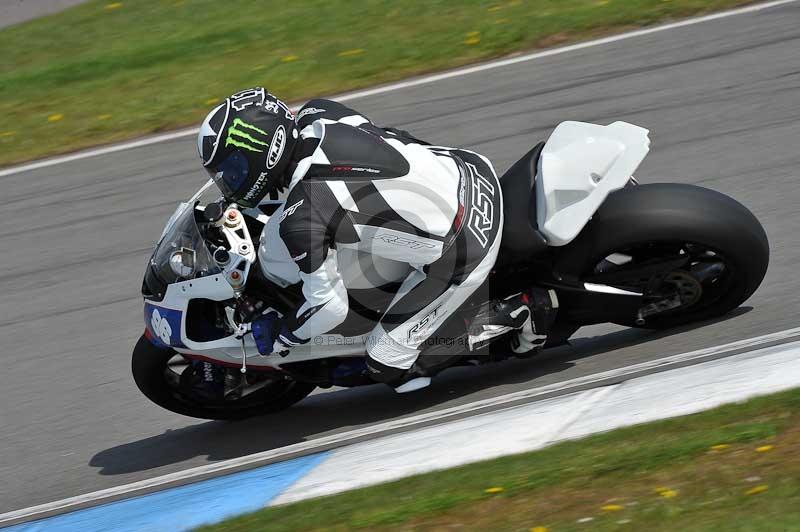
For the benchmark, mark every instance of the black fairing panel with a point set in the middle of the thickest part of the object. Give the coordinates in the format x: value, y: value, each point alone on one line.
x: 521, y: 240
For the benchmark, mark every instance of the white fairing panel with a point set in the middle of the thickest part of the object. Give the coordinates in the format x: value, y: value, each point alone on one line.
x: 580, y: 165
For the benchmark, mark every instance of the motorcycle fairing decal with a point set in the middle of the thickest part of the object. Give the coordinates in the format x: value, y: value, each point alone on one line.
x: 164, y: 325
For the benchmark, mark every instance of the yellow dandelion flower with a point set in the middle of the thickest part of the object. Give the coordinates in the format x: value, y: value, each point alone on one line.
x: 501, y: 21
x: 289, y: 58
x: 8, y: 133
x: 496, y: 489
x: 115, y: 5
x: 348, y: 53
x: 757, y: 489
x: 55, y: 118
x: 763, y: 448
x: 473, y: 37
x: 668, y: 494
x: 612, y: 508
x: 720, y: 447
x: 103, y: 117
x: 539, y: 529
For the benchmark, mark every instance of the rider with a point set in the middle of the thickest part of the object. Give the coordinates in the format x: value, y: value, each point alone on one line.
x: 349, y: 184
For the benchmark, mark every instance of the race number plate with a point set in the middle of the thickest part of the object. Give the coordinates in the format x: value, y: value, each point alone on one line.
x: 164, y: 325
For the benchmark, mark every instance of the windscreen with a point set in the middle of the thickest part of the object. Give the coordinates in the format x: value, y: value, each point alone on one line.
x: 182, y: 253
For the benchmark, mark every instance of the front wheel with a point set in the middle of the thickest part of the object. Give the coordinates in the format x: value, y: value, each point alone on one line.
x: 717, y: 249
x: 162, y: 375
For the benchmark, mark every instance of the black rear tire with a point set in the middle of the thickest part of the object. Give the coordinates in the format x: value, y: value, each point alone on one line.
x: 149, y: 364
x: 669, y: 212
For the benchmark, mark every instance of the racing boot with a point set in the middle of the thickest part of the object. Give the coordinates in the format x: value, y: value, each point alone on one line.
x: 526, y: 317
x: 543, y: 305
x: 401, y: 380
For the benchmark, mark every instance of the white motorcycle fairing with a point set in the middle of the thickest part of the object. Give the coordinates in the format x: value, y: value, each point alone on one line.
x: 580, y: 165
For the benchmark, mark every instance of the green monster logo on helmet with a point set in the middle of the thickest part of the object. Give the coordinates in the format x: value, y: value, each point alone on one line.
x: 240, y: 135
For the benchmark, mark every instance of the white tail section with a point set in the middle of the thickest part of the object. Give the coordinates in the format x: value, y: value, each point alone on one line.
x: 580, y: 165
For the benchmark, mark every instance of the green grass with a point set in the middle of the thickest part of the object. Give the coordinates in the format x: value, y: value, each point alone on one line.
x: 666, y: 475
x: 105, y: 71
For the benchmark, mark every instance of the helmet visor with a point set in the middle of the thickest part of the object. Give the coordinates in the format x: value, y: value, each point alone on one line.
x: 231, y: 174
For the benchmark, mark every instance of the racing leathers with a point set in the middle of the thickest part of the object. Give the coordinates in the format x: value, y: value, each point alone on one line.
x: 355, y: 186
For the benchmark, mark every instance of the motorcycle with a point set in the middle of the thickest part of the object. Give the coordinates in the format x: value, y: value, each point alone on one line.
x: 576, y: 222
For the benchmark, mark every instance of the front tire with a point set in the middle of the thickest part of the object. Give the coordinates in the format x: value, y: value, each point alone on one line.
x: 150, y: 367
x: 677, y: 215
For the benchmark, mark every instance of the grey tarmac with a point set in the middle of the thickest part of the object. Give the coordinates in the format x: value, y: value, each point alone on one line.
x: 722, y: 101
x: 17, y: 11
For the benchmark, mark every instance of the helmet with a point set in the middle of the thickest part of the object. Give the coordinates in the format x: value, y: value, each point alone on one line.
x: 246, y: 144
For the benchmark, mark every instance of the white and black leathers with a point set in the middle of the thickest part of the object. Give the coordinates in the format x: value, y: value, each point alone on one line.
x: 432, y: 215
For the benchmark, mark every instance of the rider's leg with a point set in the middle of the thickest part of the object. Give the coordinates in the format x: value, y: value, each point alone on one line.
x: 409, y: 344
x: 395, y: 344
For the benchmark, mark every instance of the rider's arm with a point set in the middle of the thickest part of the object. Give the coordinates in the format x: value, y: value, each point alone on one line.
x: 325, y: 304
x: 304, y: 230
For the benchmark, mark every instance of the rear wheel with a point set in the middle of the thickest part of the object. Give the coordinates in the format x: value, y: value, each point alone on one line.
x: 694, y: 253
x: 164, y: 377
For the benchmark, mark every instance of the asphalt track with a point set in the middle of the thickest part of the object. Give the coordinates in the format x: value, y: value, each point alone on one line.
x: 722, y: 100
x: 17, y: 11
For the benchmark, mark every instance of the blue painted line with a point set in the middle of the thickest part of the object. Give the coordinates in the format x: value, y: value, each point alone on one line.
x: 184, y: 507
